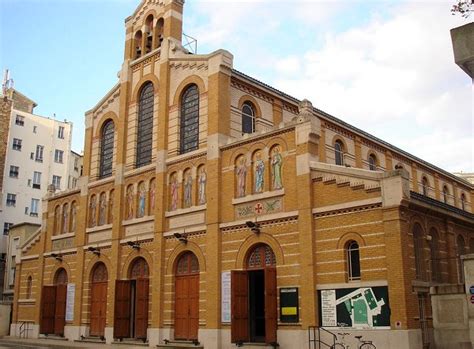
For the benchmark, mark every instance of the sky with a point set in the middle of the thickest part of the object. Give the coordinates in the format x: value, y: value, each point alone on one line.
x: 386, y: 67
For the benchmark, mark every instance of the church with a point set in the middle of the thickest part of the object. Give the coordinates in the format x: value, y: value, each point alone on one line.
x: 216, y: 210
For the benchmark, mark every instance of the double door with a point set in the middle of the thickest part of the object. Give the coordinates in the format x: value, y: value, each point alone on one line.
x: 187, y: 307
x: 53, y: 310
x: 98, y: 308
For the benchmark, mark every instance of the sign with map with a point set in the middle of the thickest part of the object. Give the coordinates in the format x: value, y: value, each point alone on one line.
x: 365, y: 307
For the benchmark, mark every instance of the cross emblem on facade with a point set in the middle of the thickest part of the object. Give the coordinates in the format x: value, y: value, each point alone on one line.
x: 258, y: 208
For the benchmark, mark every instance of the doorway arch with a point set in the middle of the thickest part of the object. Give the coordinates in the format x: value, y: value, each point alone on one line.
x: 98, y: 310
x: 187, y: 297
x: 254, y: 297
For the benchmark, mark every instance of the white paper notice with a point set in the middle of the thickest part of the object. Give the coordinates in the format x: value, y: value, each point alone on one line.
x: 328, y: 307
x: 225, y: 296
x: 71, y: 292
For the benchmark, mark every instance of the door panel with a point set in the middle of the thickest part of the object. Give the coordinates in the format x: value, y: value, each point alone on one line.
x: 239, y: 304
x: 122, y: 308
x: 181, y: 324
x: 98, y: 308
x: 48, y: 305
x: 271, y: 316
x: 60, y: 311
x: 141, y: 308
x: 193, y: 307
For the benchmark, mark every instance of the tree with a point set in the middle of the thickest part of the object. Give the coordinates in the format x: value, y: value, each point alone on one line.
x: 464, y: 7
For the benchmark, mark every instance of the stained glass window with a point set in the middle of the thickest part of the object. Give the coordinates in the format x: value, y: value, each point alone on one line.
x: 189, y: 125
x: 145, y: 125
x: 139, y: 269
x: 187, y: 264
x: 100, y: 273
x: 60, y: 277
x: 262, y: 256
x: 106, y: 149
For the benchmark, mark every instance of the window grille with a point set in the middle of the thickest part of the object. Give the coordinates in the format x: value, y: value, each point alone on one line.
x: 106, y: 150
x: 189, y: 126
x: 145, y: 126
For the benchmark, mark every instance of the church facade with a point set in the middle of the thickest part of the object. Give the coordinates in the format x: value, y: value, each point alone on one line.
x: 213, y: 207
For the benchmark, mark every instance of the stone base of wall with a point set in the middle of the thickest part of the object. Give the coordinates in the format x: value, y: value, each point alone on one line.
x: 33, y: 331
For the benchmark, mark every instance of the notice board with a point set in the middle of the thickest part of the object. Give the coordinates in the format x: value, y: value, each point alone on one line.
x: 289, y: 305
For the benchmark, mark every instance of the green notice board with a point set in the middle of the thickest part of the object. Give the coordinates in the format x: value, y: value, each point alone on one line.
x: 289, y: 305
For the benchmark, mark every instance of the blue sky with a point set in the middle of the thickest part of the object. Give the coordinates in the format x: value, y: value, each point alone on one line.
x: 383, y: 66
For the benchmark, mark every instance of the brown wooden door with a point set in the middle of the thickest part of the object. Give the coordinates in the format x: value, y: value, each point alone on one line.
x: 239, y: 303
x: 98, y: 308
x: 122, y: 308
x: 141, y: 308
x: 271, y: 316
x: 60, y: 310
x: 193, y: 307
x: 186, y: 307
x: 48, y: 305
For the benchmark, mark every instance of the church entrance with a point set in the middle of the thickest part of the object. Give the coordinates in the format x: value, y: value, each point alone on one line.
x: 131, y: 302
x: 187, y: 297
x: 254, y: 298
x: 98, y: 300
x: 53, y: 305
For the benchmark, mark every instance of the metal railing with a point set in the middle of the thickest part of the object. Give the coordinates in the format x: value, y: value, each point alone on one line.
x: 25, y: 329
x: 320, y: 338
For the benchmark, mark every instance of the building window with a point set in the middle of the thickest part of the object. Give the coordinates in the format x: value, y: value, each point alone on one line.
x: 27, y: 209
x: 372, y: 162
x: 39, y: 153
x: 463, y: 202
x: 248, y: 118
x: 29, y: 284
x: 35, y: 128
x: 418, y: 249
x: 435, y: 261
x: 145, y: 126
x: 339, y: 153
x: 34, y: 207
x: 189, y: 121
x: 424, y: 185
x: 57, y: 182
x: 11, y: 199
x: 20, y: 120
x: 16, y: 144
x: 37, y: 180
x: 353, y: 261
x: 14, y: 170
x: 58, y: 156
x: 76, y: 164
x: 445, y: 194
x: 6, y: 228
x: 61, y: 132
x: 106, y: 150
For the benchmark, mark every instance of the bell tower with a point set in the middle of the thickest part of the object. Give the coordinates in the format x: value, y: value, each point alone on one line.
x: 151, y: 23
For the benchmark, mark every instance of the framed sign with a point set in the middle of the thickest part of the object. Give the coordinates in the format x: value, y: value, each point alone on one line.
x: 289, y: 305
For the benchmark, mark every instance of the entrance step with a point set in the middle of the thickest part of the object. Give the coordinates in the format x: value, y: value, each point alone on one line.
x: 131, y: 342
x: 89, y: 339
x: 177, y: 344
x: 53, y: 337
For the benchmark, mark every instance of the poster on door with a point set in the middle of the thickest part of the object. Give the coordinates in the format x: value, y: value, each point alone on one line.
x: 225, y: 297
x: 71, y: 292
x: 365, y: 307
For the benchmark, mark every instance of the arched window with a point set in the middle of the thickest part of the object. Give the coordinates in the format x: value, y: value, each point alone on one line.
x: 339, y: 153
x: 106, y: 149
x: 148, y: 34
x: 463, y: 202
x: 57, y: 221
x: 460, y: 250
x: 188, y: 264
x: 29, y: 284
x: 99, y: 273
x: 262, y: 256
x: 434, y: 254
x: 145, y: 125
x: 248, y: 118
x: 60, y: 278
x: 418, y: 249
x: 159, y: 32
x: 353, y: 261
x: 139, y: 269
x: 372, y: 162
x: 189, y: 122
x: 425, y: 186
x: 445, y: 194
x: 137, y: 42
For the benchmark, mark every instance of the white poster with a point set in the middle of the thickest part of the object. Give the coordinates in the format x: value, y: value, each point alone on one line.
x: 71, y: 292
x: 328, y: 307
x: 225, y: 297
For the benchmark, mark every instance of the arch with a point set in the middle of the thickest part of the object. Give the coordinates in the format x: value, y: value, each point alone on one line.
x: 248, y: 117
x: 347, y: 237
x: 134, y: 254
x: 187, y: 263
x: 137, y: 44
x: 94, y: 261
x: 60, y: 277
x: 138, y: 268
x: 148, y: 78
x: 259, y: 257
x: 193, y: 79
x: 149, y: 29
x: 109, y: 116
x: 373, y: 161
x: 146, y: 109
x: 57, y: 266
x: 253, y: 240
x: 189, y: 119
x: 179, y: 250
x: 352, y: 252
x: 106, y: 148
x: 99, y: 273
x: 248, y: 98
x: 160, y: 24
x: 339, y: 150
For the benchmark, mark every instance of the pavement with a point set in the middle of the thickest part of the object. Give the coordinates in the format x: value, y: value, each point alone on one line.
x: 10, y: 342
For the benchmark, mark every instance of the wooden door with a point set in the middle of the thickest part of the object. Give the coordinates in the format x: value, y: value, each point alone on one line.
x: 122, y: 308
x: 239, y: 304
x: 60, y: 310
x: 271, y: 316
x: 187, y: 307
x: 141, y: 308
x: 98, y: 308
x: 48, y: 305
x: 193, y: 304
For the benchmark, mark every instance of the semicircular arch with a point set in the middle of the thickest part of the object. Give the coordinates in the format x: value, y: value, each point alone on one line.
x: 252, y: 241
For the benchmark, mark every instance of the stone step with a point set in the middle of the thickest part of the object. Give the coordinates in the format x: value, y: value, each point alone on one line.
x: 177, y: 344
x: 96, y: 340
x: 131, y: 342
x: 53, y: 337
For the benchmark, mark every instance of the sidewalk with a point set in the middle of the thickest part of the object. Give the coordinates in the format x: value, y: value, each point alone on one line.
x: 60, y: 344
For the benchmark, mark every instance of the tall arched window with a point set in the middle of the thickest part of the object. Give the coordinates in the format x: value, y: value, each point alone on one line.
x: 148, y: 34
x: 189, y: 123
x: 372, y: 162
x: 106, y: 149
x: 353, y: 261
x: 418, y: 249
x: 145, y: 125
x: 424, y: 185
x: 435, y: 261
x: 137, y: 42
x: 445, y: 194
x: 339, y: 153
x: 248, y: 118
x: 159, y: 32
x: 463, y: 201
